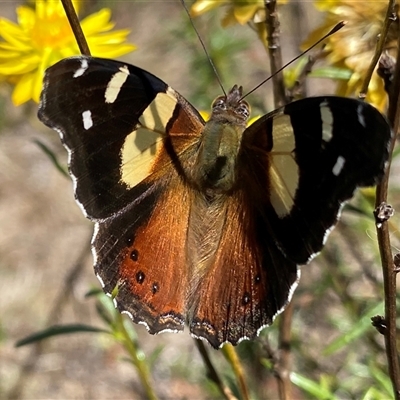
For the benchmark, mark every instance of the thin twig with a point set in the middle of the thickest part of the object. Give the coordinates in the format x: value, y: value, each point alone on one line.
x: 390, y: 17
x: 275, y: 55
x: 212, y: 372
x: 274, y: 49
x: 76, y: 27
x: 389, y: 273
x: 233, y: 359
x: 285, y: 353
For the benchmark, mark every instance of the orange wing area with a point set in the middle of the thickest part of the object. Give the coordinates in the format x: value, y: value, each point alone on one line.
x: 248, y: 283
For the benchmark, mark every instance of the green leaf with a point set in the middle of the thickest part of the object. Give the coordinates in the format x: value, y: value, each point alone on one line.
x: 94, y: 292
x: 58, y: 330
x: 104, y: 314
x: 52, y: 157
x: 331, y: 73
x: 383, y: 379
x: 317, y: 390
x: 359, y: 329
x: 374, y: 394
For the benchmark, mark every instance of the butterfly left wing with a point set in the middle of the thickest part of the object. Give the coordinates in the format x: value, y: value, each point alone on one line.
x: 128, y: 136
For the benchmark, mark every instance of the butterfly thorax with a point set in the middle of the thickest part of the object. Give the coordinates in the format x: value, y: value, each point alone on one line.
x: 215, y: 167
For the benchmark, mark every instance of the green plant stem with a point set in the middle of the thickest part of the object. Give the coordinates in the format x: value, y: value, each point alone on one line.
x: 76, y: 27
x: 233, y: 359
x: 212, y: 372
x: 285, y: 353
x: 138, y: 362
x: 389, y: 273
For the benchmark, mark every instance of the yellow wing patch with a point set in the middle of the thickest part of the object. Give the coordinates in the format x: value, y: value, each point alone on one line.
x: 284, y: 171
x: 141, y: 146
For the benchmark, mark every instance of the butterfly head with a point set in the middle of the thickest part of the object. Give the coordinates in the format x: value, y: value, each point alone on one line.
x: 231, y: 108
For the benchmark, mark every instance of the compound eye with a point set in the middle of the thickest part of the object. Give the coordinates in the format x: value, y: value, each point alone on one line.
x: 243, y: 109
x: 219, y: 104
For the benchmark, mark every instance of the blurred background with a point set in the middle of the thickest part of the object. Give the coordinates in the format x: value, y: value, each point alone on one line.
x: 46, y: 265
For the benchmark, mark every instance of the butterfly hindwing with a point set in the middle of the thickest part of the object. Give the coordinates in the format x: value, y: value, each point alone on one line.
x: 139, y: 256
x: 249, y: 280
x: 319, y: 151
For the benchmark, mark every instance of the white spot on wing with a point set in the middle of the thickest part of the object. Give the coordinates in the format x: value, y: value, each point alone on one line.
x: 87, y: 119
x: 146, y: 325
x: 100, y: 280
x: 128, y: 313
x: 327, y: 121
x: 115, y: 84
x: 94, y: 253
x: 338, y: 167
x: 81, y: 70
x: 360, y: 115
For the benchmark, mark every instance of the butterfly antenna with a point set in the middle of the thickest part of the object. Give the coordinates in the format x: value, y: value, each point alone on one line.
x: 204, y: 47
x: 338, y: 26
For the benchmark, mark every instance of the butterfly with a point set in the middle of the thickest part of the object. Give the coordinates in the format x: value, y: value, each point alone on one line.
x: 205, y: 223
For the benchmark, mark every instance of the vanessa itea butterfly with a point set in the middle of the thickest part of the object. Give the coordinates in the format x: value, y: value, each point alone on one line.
x: 205, y: 223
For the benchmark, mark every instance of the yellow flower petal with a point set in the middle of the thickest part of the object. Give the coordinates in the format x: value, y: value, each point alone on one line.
x: 26, y: 18
x: 112, y: 51
x: 97, y: 22
x: 354, y: 45
x: 23, y: 89
x: 203, y: 6
x: 244, y: 14
x: 19, y: 65
x: 12, y: 33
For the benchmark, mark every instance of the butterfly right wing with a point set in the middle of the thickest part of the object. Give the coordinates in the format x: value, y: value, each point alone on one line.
x: 296, y: 168
x: 311, y: 155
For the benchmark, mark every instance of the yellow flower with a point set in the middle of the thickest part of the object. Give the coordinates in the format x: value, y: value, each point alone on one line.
x: 354, y: 45
x: 237, y: 11
x: 43, y: 36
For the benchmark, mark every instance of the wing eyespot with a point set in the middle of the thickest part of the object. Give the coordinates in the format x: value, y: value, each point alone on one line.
x: 140, y: 277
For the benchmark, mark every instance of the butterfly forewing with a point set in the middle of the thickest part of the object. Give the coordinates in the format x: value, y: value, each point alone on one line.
x: 112, y: 118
